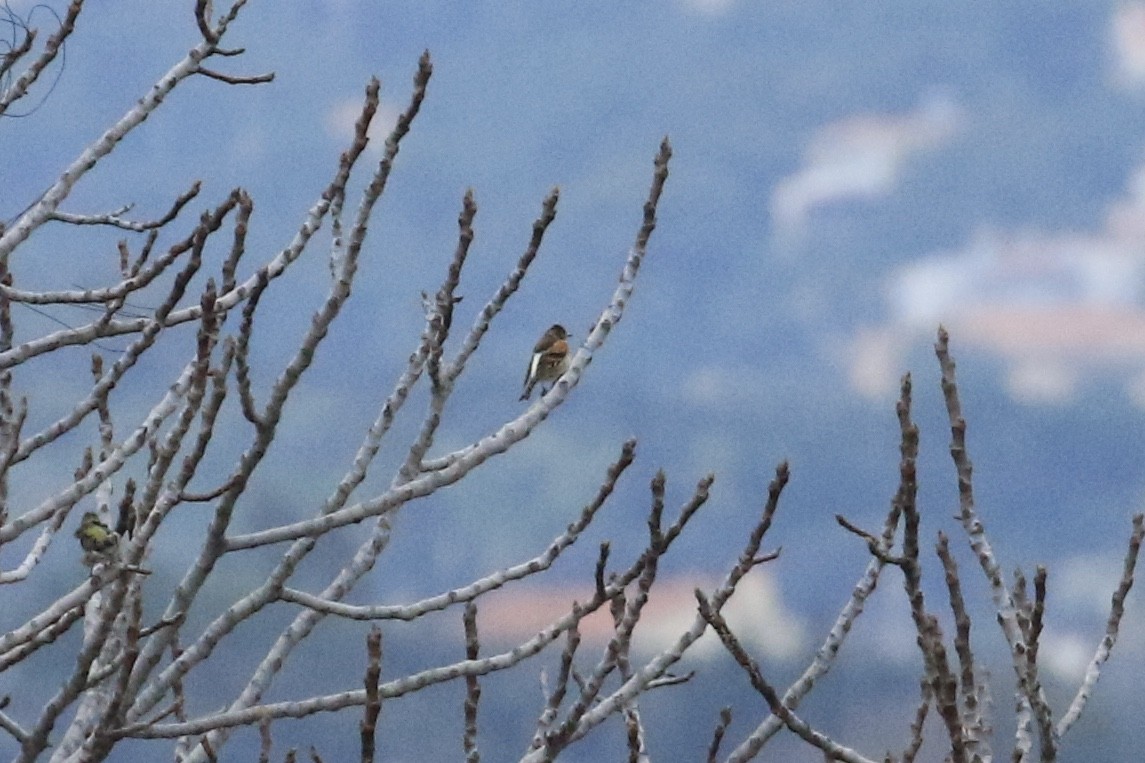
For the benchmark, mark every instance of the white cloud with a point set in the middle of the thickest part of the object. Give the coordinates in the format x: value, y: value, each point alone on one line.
x: 1127, y: 43
x: 1045, y: 382
x: 1065, y: 655
x: 1088, y: 581
x: 342, y: 117
x: 756, y: 614
x: 1056, y: 307
x: 876, y: 362
x: 714, y: 385
x: 860, y: 157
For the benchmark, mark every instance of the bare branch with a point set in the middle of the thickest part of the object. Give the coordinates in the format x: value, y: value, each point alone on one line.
x: 493, y: 444
x: 214, y: 545
x: 656, y: 668
x: 49, y: 202
x: 231, y: 79
x: 203, y: 19
x: 718, y: 734
x: 389, y: 690
x: 53, y: 47
x: 369, y: 724
x: 554, y: 699
x: 115, y: 219
x: 265, y: 741
x: 141, y: 464
x: 915, y: 743
x: 1116, y: 610
x: 17, y: 51
x: 1004, y: 602
x: 488, y: 583
x: 874, y: 543
x: 472, y: 688
x: 829, y: 650
x: 9, y: 725
x: 973, y: 721
x: 508, y: 287
x: 832, y: 749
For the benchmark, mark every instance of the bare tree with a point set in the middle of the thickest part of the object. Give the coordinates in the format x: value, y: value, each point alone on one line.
x: 131, y: 675
x: 959, y: 695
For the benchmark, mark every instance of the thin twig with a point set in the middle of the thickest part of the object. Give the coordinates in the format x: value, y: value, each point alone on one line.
x: 1113, y: 624
x: 832, y: 749
x: 369, y: 726
x: 472, y: 688
x: 718, y: 734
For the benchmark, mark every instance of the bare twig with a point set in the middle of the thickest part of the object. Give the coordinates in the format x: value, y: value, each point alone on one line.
x: 916, y: 727
x: 472, y: 688
x: 554, y: 698
x: 115, y: 219
x: 265, y: 741
x: 832, y: 749
x: 656, y: 668
x: 231, y: 79
x: 973, y: 722
x: 718, y: 734
x: 1116, y: 610
x: 1004, y: 602
x: 829, y: 649
x: 214, y: 545
x: 369, y: 725
x: 53, y: 47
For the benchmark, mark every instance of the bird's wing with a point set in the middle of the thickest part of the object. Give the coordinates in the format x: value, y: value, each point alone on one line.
x: 534, y: 362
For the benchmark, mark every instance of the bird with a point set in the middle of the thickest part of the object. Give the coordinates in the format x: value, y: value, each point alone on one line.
x: 550, y: 358
x: 96, y: 539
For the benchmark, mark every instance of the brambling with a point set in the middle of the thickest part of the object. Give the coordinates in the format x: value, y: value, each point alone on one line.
x: 550, y: 359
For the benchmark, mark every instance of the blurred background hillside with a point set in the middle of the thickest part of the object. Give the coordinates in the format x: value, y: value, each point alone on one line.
x: 845, y: 178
